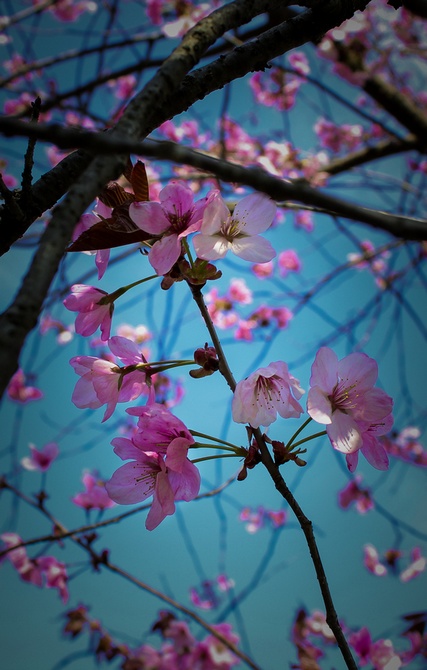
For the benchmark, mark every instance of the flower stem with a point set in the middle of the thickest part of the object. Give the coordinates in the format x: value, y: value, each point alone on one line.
x: 236, y: 450
x: 300, y: 429
x: 211, y: 458
x: 195, y: 433
x: 310, y: 437
x: 120, y: 291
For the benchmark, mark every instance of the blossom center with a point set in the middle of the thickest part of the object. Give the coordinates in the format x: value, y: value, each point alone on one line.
x: 179, y: 220
x: 343, y: 397
x: 231, y: 229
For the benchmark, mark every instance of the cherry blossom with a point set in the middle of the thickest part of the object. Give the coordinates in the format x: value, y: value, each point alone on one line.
x: 174, y: 217
x: 265, y: 393
x: 166, y: 478
x: 416, y: 567
x: 95, y: 495
x: 100, y: 212
x: 342, y: 396
x: 46, y: 569
x: 372, y: 561
x: 288, y: 261
x: 40, y: 459
x: 238, y: 232
x: 354, y: 493
x: 263, y: 270
x: 104, y: 382
x: 94, y: 309
x: 19, y: 391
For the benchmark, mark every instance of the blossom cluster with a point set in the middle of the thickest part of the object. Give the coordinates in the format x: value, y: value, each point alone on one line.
x: 380, y: 568
x: 179, y: 648
x: 44, y: 570
x: 158, y: 466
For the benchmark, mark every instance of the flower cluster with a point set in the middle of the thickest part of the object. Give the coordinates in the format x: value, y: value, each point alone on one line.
x: 179, y: 649
x: 380, y: 568
x: 210, y: 593
x: 45, y: 570
x: 258, y: 518
x: 342, y: 396
x: 158, y: 465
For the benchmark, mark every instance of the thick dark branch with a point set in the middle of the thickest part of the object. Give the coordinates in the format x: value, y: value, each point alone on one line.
x: 21, y: 317
x: 296, y: 191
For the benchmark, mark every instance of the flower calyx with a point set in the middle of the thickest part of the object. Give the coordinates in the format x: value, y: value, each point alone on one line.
x: 252, y: 459
x: 207, y: 359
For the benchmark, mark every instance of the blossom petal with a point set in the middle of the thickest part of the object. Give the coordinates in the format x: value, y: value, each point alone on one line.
x: 375, y: 453
x: 324, y: 370
x: 255, y: 213
x: 319, y: 406
x: 165, y: 253
x: 210, y: 248
x: 359, y: 368
x: 149, y: 216
x: 255, y: 249
x: 215, y: 214
x: 344, y: 433
x: 130, y: 484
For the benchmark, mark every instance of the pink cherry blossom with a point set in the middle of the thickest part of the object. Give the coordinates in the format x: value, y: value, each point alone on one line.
x: 263, y: 270
x: 95, y: 495
x: 64, y: 333
x: 55, y: 574
x: 372, y: 561
x: 238, y: 232
x: 288, y: 261
x: 100, y: 212
x: 372, y: 448
x: 265, y: 393
x: 27, y: 569
x: 36, y: 571
x: 157, y: 428
x: 415, y: 568
x: 239, y: 291
x: 103, y: 382
x: 93, y: 309
x: 342, y: 396
x: 174, y: 217
x: 167, y: 479
x: 40, y: 459
x: 354, y: 493
x: 19, y: 391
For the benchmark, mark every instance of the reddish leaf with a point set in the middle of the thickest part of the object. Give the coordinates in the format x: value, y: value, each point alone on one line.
x: 114, y: 195
x: 139, y: 181
x: 116, y: 231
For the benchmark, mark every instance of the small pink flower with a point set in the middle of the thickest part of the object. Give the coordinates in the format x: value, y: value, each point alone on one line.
x: 288, y: 261
x: 20, y: 392
x: 417, y: 566
x: 238, y: 232
x: 103, y: 382
x: 55, y: 574
x: 93, y: 309
x: 86, y: 221
x: 342, y: 396
x: 372, y: 561
x: 159, y: 465
x: 353, y: 493
x: 27, y: 569
x: 40, y: 459
x: 174, y: 217
x: 239, y: 292
x: 260, y: 397
x: 263, y: 270
x: 166, y: 479
x: 95, y: 495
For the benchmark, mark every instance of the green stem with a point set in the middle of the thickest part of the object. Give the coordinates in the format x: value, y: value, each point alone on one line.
x: 111, y: 297
x: 310, y: 437
x: 187, y: 251
x: 211, y: 458
x: 300, y: 429
x: 195, y: 433
x: 235, y: 450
